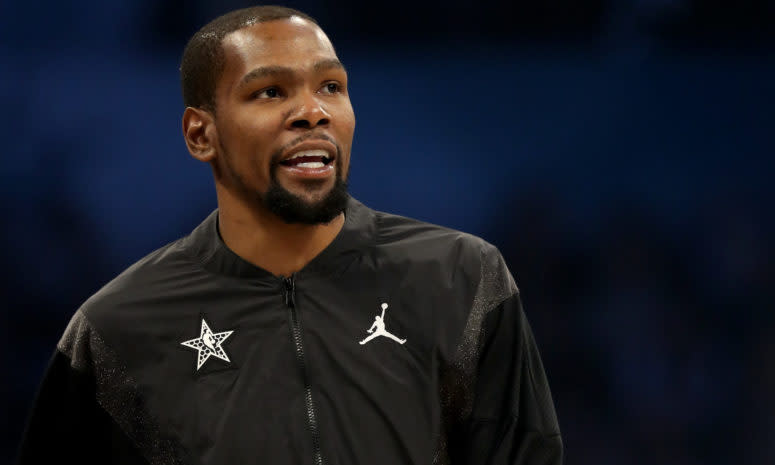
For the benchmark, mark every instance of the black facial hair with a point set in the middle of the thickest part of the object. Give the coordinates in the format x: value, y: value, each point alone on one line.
x: 293, y: 209
x: 290, y: 207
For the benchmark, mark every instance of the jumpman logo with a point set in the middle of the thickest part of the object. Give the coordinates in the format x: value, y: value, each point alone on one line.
x: 378, y: 329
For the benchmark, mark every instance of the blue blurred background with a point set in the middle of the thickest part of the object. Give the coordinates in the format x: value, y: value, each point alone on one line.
x: 619, y: 153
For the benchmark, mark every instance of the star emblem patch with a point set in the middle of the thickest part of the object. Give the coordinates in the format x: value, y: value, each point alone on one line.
x: 208, y: 344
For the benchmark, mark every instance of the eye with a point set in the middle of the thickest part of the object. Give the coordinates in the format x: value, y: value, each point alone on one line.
x: 331, y: 88
x: 269, y: 92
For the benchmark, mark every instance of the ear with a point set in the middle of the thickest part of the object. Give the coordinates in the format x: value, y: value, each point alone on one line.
x: 200, y: 134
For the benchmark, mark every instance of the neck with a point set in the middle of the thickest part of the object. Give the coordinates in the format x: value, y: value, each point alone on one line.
x: 263, y: 239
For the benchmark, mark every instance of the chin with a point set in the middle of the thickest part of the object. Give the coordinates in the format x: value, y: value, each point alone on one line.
x: 311, y: 206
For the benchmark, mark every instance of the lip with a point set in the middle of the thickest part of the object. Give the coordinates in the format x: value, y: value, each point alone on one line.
x: 303, y: 174
x: 313, y: 144
x: 308, y: 174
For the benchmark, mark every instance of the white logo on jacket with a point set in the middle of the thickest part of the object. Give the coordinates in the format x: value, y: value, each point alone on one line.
x: 208, y: 343
x: 378, y: 329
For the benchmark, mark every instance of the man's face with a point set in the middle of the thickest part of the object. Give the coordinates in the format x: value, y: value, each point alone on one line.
x: 284, y: 120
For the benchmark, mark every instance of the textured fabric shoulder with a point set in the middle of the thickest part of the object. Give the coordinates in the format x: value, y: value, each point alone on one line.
x: 458, y: 379
x: 117, y: 392
x: 495, y: 285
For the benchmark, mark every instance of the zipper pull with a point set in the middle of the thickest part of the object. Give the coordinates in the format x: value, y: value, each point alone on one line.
x: 290, y: 291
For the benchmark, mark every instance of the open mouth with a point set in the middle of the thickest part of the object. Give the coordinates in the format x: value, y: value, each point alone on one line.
x: 308, y: 159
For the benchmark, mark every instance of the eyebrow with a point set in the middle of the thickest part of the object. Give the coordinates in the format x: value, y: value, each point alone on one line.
x: 266, y: 71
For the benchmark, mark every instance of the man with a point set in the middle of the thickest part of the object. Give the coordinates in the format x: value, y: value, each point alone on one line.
x: 242, y: 342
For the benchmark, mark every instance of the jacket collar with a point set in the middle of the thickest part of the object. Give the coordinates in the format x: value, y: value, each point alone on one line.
x: 356, y: 237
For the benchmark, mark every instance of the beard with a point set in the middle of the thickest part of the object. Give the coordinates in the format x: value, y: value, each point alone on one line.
x: 291, y: 208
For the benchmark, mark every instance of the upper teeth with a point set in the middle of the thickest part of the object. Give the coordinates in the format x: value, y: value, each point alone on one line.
x: 309, y: 153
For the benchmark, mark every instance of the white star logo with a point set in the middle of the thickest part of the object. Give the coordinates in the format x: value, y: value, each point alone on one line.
x: 208, y: 343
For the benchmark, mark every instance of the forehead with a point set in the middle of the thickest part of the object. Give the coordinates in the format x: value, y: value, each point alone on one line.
x: 293, y: 42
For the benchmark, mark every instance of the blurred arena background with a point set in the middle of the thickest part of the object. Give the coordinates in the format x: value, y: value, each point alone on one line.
x: 619, y: 153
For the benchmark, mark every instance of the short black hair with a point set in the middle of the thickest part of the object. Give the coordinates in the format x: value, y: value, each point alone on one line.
x: 203, y: 59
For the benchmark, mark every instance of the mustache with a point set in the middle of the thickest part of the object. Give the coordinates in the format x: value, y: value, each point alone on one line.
x: 277, y: 155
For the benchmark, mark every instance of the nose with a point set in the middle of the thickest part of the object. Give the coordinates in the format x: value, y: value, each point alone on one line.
x: 309, y: 113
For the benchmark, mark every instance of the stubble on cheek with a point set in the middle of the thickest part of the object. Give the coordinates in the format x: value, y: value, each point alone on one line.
x: 228, y: 174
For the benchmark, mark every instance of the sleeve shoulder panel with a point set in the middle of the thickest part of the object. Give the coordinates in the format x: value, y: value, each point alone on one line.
x: 466, y: 262
x: 495, y: 285
x: 458, y: 377
x: 117, y: 392
x: 75, y: 343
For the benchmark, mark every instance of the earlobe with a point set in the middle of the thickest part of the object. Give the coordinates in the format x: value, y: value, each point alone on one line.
x: 199, y: 134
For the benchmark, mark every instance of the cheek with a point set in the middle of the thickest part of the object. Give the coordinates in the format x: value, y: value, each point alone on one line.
x: 346, y: 128
x: 250, y: 140
x: 350, y: 116
x: 244, y: 167
x: 345, y: 136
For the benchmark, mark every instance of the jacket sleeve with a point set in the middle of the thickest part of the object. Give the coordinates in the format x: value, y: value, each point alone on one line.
x: 513, y: 421
x: 495, y: 398
x: 66, y: 422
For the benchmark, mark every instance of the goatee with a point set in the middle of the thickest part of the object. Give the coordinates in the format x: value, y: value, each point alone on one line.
x: 293, y: 209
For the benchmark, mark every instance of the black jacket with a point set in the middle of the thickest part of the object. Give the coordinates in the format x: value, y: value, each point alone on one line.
x: 283, y: 371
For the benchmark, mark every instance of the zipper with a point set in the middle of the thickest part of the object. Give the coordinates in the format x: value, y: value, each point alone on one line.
x: 289, y: 296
